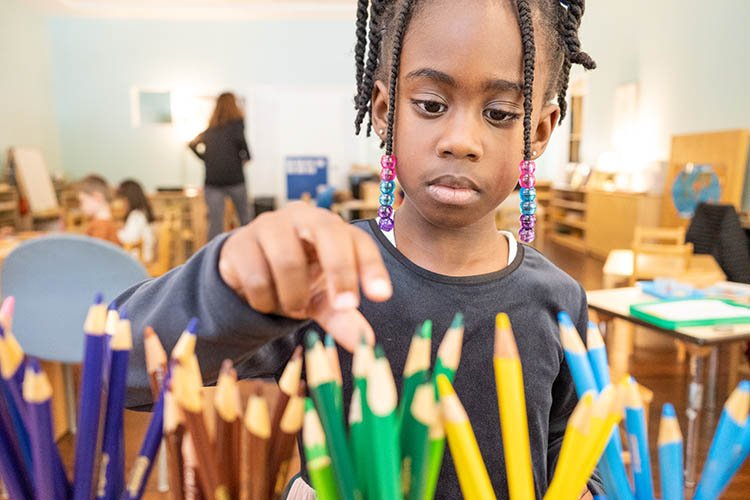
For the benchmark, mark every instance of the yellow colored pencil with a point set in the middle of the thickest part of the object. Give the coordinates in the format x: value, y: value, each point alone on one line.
x: 512, y: 402
x: 472, y: 473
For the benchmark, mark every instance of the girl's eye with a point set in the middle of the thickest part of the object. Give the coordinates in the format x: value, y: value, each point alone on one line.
x: 430, y: 107
x: 499, y: 116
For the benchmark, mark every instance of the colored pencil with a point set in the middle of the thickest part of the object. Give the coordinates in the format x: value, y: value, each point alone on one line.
x: 472, y: 473
x: 417, y: 365
x: 257, y: 441
x: 576, y: 435
x: 228, y: 427
x: 333, y: 358
x: 13, y: 413
x: 448, y: 358
x: 7, y: 309
x: 172, y: 442
x: 728, y: 436
x: 112, y: 476
x: 285, y: 439
x: 187, y: 391
x: 50, y: 481
x: 88, y: 444
x: 322, y: 384
x: 670, y: 455
x: 191, y: 487
x: 318, y: 459
x: 512, y: 403
x: 637, y: 432
x: 613, y: 470
x: 359, y: 419
x: 415, y: 443
x: 289, y: 385
x: 156, y: 360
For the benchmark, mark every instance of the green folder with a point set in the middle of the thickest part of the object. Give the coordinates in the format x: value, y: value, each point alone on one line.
x: 673, y: 314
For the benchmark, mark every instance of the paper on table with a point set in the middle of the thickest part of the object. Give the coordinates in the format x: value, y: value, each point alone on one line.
x: 692, y: 310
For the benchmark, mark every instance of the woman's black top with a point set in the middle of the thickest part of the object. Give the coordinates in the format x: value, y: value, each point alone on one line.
x: 224, y: 150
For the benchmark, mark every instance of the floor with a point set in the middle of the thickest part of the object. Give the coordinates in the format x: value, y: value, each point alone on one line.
x: 653, y: 364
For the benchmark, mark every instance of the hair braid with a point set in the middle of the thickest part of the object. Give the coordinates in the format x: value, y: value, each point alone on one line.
x: 526, y: 24
x: 402, y: 21
x: 375, y: 37
x: 570, y: 22
x: 361, y: 47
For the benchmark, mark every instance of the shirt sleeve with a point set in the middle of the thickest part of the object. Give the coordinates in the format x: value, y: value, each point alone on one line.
x: 241, y: 142
x: 228, y: 327
x: 564, y: 401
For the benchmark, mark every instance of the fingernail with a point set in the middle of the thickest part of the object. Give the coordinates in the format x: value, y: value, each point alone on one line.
x: 345, y: 301
x: 379, y: 288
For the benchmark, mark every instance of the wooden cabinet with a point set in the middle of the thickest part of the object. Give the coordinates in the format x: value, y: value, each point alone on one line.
x: 567, y: 218
x: 611, y: 219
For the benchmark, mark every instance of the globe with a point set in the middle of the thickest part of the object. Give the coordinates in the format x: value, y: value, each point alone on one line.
x: 695, y: 184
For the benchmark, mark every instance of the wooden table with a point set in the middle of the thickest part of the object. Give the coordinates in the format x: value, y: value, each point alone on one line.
x: 702, y: 270
x: 702, y: 343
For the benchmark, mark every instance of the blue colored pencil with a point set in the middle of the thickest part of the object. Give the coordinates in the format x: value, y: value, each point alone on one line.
x: 88, y: 444
x: 12, y: 366
x: 737, y: 457
x: 597, y: 354
x: 640, y: 460
x: 113, y: 447
x: 727, y: 438
x: 670, y: 455
x: 12, y: 470
x: 149, y: 448
x: 50, y: 481
x: 611, y: 467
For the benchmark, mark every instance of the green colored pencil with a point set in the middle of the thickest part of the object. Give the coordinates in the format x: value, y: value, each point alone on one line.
x: 449, y: 354
x: 359, y: 433
x: 415, y: 440
x: 316, y: 453
x: 417, y: 366
x: 333, y: 357
x: 382, y: 400
x: 322, y: 386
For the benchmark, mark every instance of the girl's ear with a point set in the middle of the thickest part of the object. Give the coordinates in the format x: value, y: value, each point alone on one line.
x: 548, y: 119
x: 380, y: 109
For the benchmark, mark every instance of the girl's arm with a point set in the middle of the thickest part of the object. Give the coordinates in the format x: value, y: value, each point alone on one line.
x: 228, y: 327
x: 132, y: 231
x: 241, y: 142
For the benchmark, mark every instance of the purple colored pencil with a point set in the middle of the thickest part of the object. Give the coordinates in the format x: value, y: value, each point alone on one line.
x: 89, y: 439
x: 50, y: 481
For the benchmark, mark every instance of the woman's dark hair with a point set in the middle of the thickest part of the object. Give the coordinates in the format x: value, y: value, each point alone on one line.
x: 133, y: 192
x: 382, y: 24
x: 226, y: 111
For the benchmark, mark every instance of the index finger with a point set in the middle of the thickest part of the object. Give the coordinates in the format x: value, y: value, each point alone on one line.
x: 373, y: 275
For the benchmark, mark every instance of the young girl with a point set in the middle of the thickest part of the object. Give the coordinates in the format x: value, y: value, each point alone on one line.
x: 460, y: 92
x: 138, y: 220
x: 223, y: 149
x: 94, y: 197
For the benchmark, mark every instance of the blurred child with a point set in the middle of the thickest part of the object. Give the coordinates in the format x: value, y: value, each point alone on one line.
x: 94, y: 195
x: 138, y: 220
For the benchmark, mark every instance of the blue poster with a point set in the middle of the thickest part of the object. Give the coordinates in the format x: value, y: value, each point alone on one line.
x: 304, y: 174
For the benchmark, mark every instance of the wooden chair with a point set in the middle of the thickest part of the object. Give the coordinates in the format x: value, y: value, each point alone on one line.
x: 166, y: 241
x: 661, y: 252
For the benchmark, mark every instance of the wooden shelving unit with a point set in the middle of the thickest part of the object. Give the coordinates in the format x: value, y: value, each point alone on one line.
x: 567, y: 218
x: 8, y: 205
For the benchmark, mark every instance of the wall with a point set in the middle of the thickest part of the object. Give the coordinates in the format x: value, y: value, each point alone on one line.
x: 27, y: 111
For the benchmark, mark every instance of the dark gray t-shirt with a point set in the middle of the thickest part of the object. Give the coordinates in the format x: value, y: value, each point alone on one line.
x: 530, y: 289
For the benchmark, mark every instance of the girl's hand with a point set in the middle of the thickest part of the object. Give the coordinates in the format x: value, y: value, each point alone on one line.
x: 305, y: 262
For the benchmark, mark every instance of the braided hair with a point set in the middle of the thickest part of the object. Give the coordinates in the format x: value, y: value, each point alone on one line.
x: 380, y: 40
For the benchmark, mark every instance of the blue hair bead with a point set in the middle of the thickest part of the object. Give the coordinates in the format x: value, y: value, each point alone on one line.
x: 387, y: 187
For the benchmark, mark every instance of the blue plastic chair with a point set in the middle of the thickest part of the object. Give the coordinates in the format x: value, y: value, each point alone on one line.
x: 54, y: 279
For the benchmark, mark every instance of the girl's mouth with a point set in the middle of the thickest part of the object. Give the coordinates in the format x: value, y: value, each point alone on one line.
x: 453, y: 190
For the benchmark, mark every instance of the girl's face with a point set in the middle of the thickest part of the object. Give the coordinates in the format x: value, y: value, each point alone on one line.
x: 91, y: 203
x: 459, y: 113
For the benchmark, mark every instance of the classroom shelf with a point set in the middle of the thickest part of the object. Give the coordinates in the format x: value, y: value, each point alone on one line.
x: 569, y: 241
x: 567, y: 221
x: 570, y: 205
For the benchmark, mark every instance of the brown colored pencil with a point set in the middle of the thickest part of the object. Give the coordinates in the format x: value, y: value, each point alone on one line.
x: 173, y: 431
x: 228, y: 431
x: 187, y: 391
x: 289, y: 384
x: 286, y: 438
x: 256, y: 441
x: 156, y: 360
x: 191, y: 487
